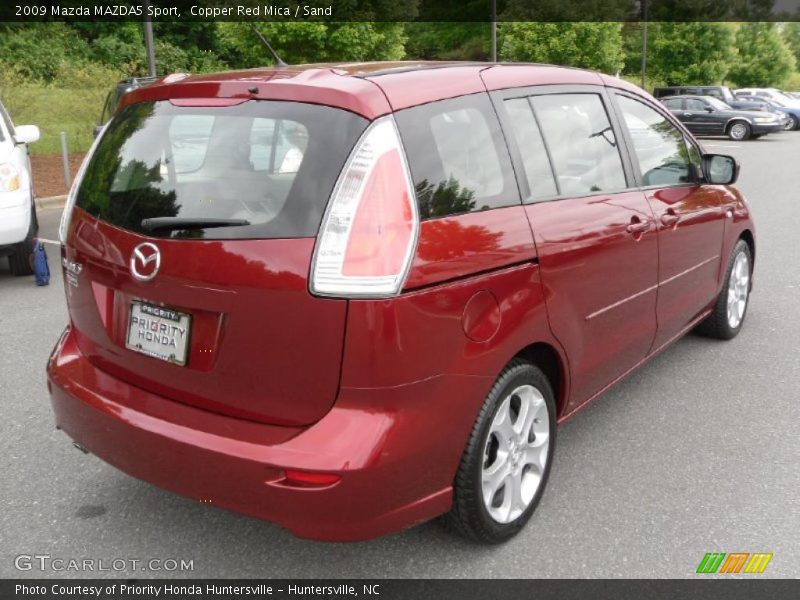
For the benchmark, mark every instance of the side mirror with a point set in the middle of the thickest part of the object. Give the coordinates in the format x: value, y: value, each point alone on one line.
x: 26, y: 134
x: 709, y: 109
x: 720, y: 169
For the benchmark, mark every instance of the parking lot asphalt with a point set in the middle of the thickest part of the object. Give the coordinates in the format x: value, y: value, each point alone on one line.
x: 696, y: 452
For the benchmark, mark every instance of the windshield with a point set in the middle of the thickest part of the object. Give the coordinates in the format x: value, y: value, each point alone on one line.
x: 267, y: 167
x: 782, y: 98
x: 5, y: 123
x: 717, y: 104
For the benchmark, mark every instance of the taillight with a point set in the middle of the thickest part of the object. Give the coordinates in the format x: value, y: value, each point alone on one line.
x: 369, y: 232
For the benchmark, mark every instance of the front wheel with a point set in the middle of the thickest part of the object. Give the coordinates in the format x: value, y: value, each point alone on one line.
x: 506, y: 462
x: 739, y: 131
x: 727, y: 318
x: 792, y: 124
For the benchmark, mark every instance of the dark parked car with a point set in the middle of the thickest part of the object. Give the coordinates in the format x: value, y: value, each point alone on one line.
x: 385, y: 322
x: 115, y: 95
x: 720, y: 92
x: 704, y: 115
x: 792, y: 113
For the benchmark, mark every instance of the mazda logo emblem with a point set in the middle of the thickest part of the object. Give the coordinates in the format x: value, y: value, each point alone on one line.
x: 146, y: 261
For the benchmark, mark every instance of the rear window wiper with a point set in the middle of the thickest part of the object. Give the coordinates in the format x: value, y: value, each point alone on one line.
x: 173, y: 223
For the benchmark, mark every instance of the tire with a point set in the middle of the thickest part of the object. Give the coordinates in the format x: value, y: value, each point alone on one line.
x: 730, y: 308
x: 519, y: 389
x: 19, y: 261
x: 794, y: 123
x: 739, y: 131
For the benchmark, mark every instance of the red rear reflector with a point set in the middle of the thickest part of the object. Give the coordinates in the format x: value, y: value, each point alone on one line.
x: 310, y: 478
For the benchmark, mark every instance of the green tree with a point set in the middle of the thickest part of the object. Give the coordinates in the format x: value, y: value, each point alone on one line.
x: 791, y: 35
x: 316, y: 41
x: 588, y: 45
x: 765, y: 59
x: 689, y: 53
x: 448, y: 40
x: 37, y: 50
x: 452, y: 30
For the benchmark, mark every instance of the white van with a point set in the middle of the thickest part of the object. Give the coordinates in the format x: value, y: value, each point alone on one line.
x: 771, y: 93
x: 17, y: 211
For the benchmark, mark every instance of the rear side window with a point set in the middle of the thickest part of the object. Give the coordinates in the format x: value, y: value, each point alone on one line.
x: 581, y: 141
x: 659, y: 146
x: 458, y: 158
x: 673, y: 104
x: 270, y: 164
x: 532, y: 150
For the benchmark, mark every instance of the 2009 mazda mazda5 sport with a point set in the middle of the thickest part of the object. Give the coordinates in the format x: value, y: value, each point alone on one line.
x: 351, y: 298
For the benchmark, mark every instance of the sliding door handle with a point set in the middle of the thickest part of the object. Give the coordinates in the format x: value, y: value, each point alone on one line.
x: 670, y: 217
x: 637, y: 226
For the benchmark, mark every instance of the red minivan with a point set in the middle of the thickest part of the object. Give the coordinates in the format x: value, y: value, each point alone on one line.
x: 351, y: 298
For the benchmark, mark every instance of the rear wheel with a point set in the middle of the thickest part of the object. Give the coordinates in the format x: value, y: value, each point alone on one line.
x: 727, y: 318
x: 506, y: 462
x: 20, y: 260
x: 739, y: 130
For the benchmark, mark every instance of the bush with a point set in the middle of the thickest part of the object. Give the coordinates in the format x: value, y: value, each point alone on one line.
x: 37, y: 50
x: 72, y: 105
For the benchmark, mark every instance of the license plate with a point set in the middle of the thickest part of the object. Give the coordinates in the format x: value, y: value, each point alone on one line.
x: 159, y: 332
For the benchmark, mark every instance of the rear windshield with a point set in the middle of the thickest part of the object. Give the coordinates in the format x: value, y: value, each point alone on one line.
x: 269, y: 164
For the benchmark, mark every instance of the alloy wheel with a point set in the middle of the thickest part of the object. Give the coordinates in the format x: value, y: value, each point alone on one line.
x: 738, y: 289
x: 738, y: 131
x: 515, y: 454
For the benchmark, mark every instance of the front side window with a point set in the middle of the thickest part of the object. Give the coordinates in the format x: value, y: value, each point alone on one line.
x: 583, y: 148
x: 270, y: 166
x: 695, y: 105
x: 674, y: 104
x: 658, y: 145
x: 458, y: 158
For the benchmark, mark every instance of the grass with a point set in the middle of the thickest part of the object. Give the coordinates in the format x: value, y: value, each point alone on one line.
x: 73, y: 110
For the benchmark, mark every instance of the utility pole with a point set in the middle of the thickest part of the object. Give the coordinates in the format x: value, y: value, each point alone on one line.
x: 148, y: 39
x: 494, y: 30
x: 644, y: 42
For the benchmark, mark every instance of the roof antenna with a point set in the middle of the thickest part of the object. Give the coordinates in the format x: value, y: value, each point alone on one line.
x: 278, y: 61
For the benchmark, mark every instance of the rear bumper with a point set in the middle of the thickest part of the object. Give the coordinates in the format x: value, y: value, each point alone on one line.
x: 15, y: 216
x: 396, y: 468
